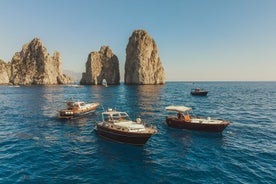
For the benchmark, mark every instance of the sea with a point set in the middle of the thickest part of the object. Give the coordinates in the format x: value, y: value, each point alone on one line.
x: 37, y: 147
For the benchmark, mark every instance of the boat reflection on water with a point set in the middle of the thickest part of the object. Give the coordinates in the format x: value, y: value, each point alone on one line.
x: 148, y: 98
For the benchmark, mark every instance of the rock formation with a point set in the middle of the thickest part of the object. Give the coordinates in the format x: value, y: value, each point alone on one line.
x: 101, y: 65
x: 5, y: 72
x: 143, y: 65
x: 34, y: 65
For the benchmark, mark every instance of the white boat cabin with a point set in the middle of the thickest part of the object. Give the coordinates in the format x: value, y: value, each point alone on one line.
x: 78, y: 105
x: 112, y: 115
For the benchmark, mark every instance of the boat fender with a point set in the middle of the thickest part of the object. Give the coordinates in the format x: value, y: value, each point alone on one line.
x: 138, y: 120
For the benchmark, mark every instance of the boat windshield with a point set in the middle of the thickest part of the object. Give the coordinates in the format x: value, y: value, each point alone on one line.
x: 120, y: 116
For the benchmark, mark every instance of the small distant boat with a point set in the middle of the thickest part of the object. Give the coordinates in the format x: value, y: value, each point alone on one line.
x: 14, y: 86
x: 75, y: 86
x: 199, y: 92
x: 104, y: 83
x: 184, y: 121
x: 77, y: 109
x: 118, y: 127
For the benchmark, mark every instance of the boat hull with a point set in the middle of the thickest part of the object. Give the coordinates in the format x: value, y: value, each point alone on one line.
x: 202, y: 93
x: 133, y: 138
x: 181, y: 124
x: 76, y: 115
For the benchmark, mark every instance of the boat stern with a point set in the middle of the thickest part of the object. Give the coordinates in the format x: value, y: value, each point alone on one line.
x: 66, y: 114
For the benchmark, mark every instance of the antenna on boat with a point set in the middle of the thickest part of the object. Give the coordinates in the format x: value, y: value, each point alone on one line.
x: 102, y: 107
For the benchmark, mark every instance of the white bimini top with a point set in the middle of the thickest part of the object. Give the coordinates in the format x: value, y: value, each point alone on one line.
x: 178, y: 108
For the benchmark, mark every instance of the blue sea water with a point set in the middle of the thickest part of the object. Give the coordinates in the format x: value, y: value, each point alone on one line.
x: 36, y: 147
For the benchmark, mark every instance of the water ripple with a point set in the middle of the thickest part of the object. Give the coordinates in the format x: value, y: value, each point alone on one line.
x: 35, y: 147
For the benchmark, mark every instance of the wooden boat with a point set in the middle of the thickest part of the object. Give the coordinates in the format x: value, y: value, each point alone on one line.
x: 183, y: 120
x: 199, y: 92
x: 77, y: 109
x: 118, y: 127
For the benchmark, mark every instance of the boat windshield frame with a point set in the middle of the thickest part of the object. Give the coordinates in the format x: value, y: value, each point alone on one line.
x: 115, y: 116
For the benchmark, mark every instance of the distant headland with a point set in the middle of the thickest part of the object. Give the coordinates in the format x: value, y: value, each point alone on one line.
x: 33, y: 65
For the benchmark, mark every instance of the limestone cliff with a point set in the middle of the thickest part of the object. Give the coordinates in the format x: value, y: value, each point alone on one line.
x: 143, y: 65
x: 101, y: 65
x: 5, y: 72
x: 34, y: 65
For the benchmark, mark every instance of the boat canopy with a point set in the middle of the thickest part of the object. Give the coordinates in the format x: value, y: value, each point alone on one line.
x: 178, y: 108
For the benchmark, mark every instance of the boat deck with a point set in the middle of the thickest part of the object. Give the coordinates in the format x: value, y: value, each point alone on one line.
x: 130, y: 125
x: 206, y: 121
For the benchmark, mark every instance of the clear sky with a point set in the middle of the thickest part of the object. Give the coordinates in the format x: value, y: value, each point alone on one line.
x: 198, y: 40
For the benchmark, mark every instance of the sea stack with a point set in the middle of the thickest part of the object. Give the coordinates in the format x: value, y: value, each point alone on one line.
x: 143, y: 65
x: 101, y: 65
x: 34, y: 66
x: 5, y: 72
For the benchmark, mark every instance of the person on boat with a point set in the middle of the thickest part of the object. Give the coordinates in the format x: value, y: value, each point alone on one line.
x: 138, y: 120
x: 187, y: 117
x: 184, y: 117
x: 180, y: 115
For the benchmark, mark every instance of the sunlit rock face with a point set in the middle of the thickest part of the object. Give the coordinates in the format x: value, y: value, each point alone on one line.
x: 34, y: 66
x: 143, y: 65
x: 5, y: 72
x: 101, y: 65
